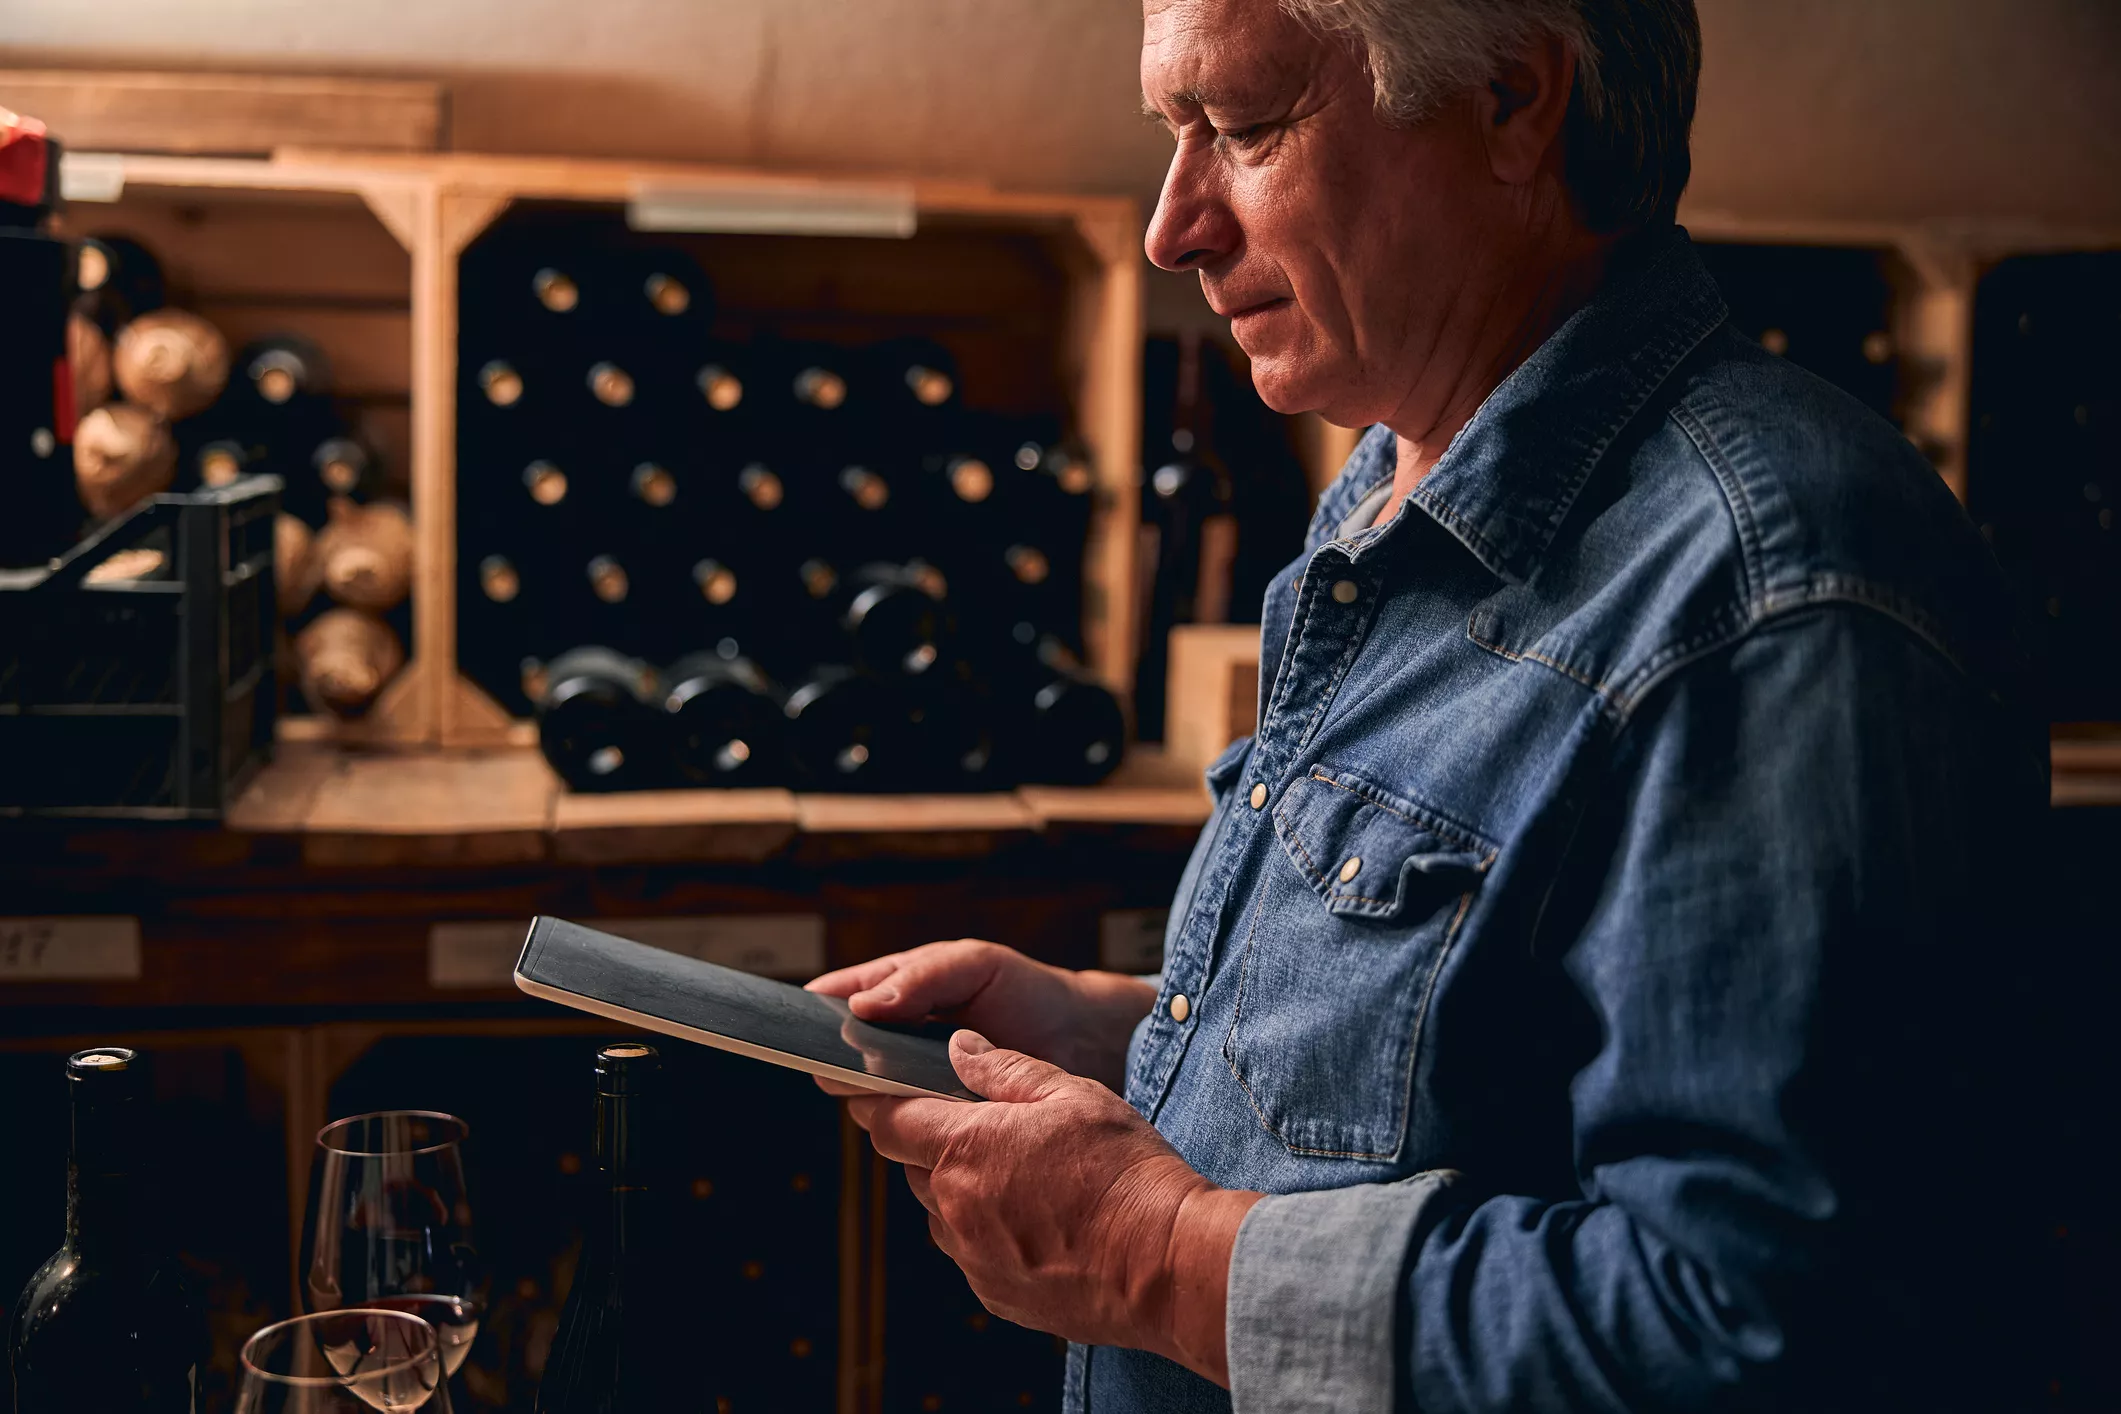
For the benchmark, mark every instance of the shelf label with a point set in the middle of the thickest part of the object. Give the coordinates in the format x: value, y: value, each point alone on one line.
x: 785, y: 945
x: 88, y: 948
x: 1131, y: 940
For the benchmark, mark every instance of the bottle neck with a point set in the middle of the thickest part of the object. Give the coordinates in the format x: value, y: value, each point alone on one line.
x: 623, y: 1141
x: 101, y: 1199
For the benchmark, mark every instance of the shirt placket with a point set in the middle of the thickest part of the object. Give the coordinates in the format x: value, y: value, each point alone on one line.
x: 1335, y: 604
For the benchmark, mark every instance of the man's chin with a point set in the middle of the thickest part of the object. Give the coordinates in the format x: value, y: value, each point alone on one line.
x: 1287, y: 384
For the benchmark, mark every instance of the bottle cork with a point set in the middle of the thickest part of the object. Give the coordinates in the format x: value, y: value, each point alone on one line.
x: 363, y: 555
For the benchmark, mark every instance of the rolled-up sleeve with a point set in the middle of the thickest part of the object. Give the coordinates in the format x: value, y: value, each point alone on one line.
x: 1783, y: 857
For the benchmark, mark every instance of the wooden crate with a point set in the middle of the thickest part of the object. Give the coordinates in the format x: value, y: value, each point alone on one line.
x: 329, y: 250
x: 973, y: 247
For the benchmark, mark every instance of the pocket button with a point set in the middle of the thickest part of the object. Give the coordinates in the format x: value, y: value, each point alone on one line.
x: 1349, y: 870
x: 1259, y: 794
x: 1344, y: 591
x: 1180, y: 1007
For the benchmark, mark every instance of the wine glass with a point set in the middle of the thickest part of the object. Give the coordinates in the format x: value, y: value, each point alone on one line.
x: 389, y: 1224
x: 343, y: 1362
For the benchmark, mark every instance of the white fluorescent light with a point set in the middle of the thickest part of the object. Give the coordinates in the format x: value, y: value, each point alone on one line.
x: 91, y: 176
x: 793, y: 209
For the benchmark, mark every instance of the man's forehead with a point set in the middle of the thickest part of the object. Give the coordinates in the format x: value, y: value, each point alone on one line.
x: 1205, y: 52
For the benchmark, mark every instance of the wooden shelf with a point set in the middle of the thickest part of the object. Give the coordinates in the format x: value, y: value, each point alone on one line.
x: 503, y: 805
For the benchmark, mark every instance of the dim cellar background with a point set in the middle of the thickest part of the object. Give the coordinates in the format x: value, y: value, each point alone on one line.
x: 290, y: 858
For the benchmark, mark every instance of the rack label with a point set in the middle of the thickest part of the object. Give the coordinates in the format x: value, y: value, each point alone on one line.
x: 83, y: 948
x: 786, y: 945
x: 1132, y: 940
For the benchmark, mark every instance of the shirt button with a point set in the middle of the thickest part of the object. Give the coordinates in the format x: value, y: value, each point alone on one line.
x: 1344, y: 591
x: 1180, y: 1007
x: 1351, y: 868
x: 1259, y: 794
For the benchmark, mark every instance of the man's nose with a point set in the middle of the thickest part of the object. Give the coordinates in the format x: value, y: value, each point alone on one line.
x: 1193, y: 226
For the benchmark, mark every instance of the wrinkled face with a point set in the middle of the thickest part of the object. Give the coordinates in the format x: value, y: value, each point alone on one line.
x: 1344, y: 252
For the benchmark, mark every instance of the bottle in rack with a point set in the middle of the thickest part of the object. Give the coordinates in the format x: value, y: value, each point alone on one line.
x: 595, y: 721
x: 108, y: 1323
x: 118, y: 280
x: 621, y: 1346
x: 895, y: 617
x: 845, y: 732
x: 726, y: 722
x: 1059, y: 725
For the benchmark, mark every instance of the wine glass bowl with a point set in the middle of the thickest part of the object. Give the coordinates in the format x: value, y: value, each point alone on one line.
x: 342, y: 1362
x: 388, y: 1224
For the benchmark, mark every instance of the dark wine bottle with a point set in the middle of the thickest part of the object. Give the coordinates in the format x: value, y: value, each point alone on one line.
x: 37, y: 406
x: 844, y: 731
x: 118, y: 280
x: 895, y: 617
x: 620, y: 1347
x: 726, y: 723
x: 1060, y: 726
x: 595, y: 722
x: 108, y: 1323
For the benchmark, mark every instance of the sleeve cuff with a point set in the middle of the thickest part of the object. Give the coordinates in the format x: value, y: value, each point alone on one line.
x: 1314, y: 1293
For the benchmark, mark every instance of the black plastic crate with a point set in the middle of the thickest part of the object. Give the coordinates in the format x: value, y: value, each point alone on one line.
x: 151, y: 697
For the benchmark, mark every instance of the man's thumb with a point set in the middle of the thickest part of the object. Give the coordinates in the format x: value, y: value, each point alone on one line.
x: 1001, y: 1075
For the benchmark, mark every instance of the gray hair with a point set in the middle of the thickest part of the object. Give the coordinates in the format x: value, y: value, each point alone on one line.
x: 1638, y: 63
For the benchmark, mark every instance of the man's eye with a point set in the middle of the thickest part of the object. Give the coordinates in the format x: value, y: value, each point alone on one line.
x: 1247, y: 136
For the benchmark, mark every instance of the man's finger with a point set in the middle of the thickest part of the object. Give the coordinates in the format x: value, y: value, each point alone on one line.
x: 1002, y: 1075
x: 922, y: 1182
x: 911, y: 1132
x: 937, y: 977
x: 859, y: 978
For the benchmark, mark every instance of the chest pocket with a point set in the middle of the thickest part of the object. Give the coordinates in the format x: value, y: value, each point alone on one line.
x: 1340, y: 959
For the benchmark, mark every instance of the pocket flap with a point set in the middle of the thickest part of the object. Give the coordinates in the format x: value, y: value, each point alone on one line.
x: 1371, y: 854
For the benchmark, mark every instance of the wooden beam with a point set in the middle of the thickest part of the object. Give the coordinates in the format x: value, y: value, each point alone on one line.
x: 98, y: 110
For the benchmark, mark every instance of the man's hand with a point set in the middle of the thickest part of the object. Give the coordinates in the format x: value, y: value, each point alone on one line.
x: 1080, y: 1021
x: 1066, y: 1210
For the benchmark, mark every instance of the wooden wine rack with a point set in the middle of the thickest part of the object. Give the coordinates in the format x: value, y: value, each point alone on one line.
x: 360, y: 253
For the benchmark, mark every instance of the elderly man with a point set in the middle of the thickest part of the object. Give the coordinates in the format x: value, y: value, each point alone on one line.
x: 1563, y: 1008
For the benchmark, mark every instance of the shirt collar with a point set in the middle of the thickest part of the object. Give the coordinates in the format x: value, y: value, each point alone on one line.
x: 1507, y: 480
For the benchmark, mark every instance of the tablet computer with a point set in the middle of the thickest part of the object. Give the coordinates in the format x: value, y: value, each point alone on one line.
x: 735, y: 1011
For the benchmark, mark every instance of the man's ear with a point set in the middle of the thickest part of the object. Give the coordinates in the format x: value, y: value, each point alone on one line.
x: 1524, y: 107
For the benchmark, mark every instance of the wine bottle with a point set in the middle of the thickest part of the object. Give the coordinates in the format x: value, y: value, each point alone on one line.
x: 595, y: 723
x: 37, y: 409
x: 344, y: 467
x: 952, y: 733
x: 171, y: 362
x: 621, y: 1347
x: 894, y: 617
x: 727, y: 726
x: 843, y: 731
x: 1060, y: 726
x: 122, y: 455
x: 282, y: 369
x: 117, y: 280
x: 344, y: 659
x: 108, y: 1323
x: 363, y: 555
x: 278, y: 408
x: 917, y: 387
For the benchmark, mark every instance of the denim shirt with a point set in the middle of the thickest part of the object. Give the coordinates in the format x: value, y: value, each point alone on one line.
x: 1582, y: 956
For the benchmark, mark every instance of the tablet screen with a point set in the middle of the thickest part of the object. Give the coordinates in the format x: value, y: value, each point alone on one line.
x: 733, y: 1011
